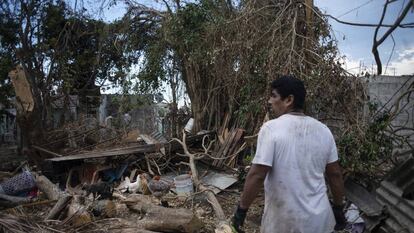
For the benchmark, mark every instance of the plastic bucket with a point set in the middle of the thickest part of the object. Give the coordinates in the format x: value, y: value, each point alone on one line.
x: 183, y: 185
x: 189, y: 126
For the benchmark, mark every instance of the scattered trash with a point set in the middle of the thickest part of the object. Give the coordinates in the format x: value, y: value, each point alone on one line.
x: 356, y: 223
x: 21, y: 183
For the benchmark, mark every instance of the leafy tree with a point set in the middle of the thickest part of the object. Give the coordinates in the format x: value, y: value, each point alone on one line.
x: 226, y: 54
x: 63, y: 52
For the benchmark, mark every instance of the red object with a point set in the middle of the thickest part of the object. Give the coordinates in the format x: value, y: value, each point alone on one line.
x: 33, y: 193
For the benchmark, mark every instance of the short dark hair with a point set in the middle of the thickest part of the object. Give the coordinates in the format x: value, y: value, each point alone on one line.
x: 290, y: 85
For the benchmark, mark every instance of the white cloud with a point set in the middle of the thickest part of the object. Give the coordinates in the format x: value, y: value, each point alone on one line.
x: 351, y: 64
x: 402, y: 65
x: 358, y: 65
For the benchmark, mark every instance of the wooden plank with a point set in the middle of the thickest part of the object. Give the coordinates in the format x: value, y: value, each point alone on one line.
x: 224, y: 148
x: 102, y: 154
x: 227, y: 151
x: 151, y: 140
x: 236, y: 143
x: 140, y: 149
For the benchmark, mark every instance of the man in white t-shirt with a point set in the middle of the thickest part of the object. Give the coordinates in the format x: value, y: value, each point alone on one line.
x: 294, y: 154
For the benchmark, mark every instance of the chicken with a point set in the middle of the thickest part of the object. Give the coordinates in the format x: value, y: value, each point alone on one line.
x: 128, y: 186
x: 145, y: 178
x: 159, y: 188
x: 140, y: 185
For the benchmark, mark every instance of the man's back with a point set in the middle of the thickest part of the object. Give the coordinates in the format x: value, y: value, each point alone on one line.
x: 298, y: 148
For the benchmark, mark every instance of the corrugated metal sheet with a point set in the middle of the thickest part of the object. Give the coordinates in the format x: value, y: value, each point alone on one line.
x: 365, y: 200
x: 374, y: 212
x: 390, y: 193
x: 395, y: 193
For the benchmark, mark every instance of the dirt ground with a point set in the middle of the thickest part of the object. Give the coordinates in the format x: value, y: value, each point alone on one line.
x: 228, y: 200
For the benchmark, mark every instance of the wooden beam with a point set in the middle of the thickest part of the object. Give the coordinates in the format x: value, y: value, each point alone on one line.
x: 141, y: 149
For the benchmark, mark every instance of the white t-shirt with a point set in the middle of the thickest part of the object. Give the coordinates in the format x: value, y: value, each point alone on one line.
x: 298, y: 148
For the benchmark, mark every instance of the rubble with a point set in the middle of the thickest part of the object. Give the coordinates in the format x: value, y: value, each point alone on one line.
x: 110, y: 185
x: 112, y: 188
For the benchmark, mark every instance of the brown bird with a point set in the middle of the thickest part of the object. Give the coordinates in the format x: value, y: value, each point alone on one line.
x: 159, y: 188
x: 145, y: 179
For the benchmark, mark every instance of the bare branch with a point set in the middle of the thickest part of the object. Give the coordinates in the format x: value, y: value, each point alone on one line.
x: 405, y: 25
x: 387, y: 33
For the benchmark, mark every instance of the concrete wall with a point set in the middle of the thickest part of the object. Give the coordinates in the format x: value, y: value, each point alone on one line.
x: 385, y: 91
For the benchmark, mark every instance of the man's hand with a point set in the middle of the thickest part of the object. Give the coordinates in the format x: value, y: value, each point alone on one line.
x: 254, y: 182
x: 238, y: 219
x: 340, y: 219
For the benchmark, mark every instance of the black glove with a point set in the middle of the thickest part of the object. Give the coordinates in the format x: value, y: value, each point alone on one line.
x: 238, y: 219
x: 338, y: 211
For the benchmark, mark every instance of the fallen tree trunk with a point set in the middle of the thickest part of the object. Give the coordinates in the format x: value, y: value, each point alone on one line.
x: 52, y: 192
x: 125, y: 226
x: 163, y: 219
x: 46, y: 186
x: 58, y: 207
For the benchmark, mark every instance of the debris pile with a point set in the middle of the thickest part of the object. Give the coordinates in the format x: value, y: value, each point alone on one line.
x: 132, y: 182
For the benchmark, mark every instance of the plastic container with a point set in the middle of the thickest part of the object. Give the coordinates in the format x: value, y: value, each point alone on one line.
x: 189, y: 126
x: 183, y: 185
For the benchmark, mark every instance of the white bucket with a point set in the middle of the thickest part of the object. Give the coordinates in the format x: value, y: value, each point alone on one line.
x: 189, y: 126
x: 183, y: 185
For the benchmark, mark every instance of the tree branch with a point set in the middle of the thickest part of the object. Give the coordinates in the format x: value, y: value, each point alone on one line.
x: 387, y: 33
x: 405, y: 25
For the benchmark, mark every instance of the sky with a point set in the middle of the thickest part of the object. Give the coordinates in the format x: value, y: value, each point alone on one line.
x: 356, y: 42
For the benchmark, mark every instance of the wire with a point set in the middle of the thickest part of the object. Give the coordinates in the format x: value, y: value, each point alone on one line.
x: 392, y: 52
x: 356, y: 8
x: 405, y: 25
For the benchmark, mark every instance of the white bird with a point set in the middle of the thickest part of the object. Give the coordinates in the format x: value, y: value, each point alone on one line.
x: 131, y: 187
